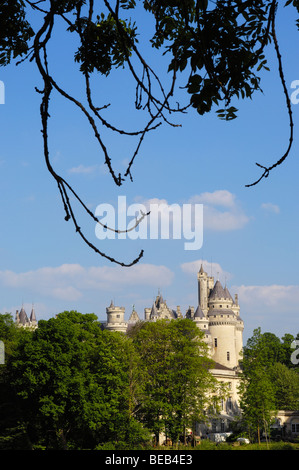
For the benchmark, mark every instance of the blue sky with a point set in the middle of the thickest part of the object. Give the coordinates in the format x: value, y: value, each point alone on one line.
x: 250, y: 238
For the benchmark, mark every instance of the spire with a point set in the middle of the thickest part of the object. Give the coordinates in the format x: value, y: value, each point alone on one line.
x: 227, y: 294
x: 134, y: 317
x: 32, y: 316
x: 199, y: 313
x: 154, y: 312
x: 23, y: 316
x: 217, y: 291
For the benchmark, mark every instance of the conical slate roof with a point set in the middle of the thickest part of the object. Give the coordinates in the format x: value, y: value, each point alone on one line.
x: 217, y: 292
x: 33, y: 316
x: 23, y: 316
x: 227, y: 294
x: 154, y: 312
x: 134, y: 317
x: 199, y: 313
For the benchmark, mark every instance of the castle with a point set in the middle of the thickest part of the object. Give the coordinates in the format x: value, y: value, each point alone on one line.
x: 23, y: 320
x: 218, y: 316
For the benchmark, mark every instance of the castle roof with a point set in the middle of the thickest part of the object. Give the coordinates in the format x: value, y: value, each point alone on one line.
x: 154, y: 312
x: 221, y: 311
x: 201, y: 269
x: 199, y: 313
x: 227, y: 294
x: 32, y: 316
x: 134, y: 317
x: 217, y: 292
x: 23, y: 316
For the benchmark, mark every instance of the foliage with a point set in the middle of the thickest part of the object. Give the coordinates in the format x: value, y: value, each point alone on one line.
x: 69, y: 384
x: 257, y: 392
x: 286, y: 383
x: 16, y: 31
x: 73, y: 382
x: 268, y: 381
x: 178, y: 382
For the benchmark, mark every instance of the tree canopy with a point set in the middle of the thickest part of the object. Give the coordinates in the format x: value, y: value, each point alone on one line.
x: 269, y: 381
x: 219, y: 48
x: 69, y: 384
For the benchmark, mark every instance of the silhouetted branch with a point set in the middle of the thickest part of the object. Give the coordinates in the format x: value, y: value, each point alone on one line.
x: 266, y: 169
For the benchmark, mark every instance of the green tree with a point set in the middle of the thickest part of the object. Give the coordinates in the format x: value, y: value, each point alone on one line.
x: 257, y: 392
x: 287, y: 351
x: 75, y: 384
x: 178, y: 384
x: 12, y: 427
x: 286, y: 384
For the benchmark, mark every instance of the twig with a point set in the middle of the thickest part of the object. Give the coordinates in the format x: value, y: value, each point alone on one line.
x: 267, y: 170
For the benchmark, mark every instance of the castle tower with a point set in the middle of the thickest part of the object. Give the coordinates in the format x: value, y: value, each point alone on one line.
x: 225, y: 326
x: 22, y: 319
x: 202, y: 278
x: 202, y: 323
x: 116, y: 318
x: 239, y: 328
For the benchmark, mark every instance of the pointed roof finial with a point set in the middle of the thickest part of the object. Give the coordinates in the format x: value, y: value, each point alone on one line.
x: 32, y: 316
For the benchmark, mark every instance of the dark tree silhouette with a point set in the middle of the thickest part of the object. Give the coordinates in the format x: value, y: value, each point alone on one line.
x: 220, y: 44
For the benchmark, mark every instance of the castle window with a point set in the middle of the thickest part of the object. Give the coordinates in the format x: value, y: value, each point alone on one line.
x: 220, y: 306
x: 215, y: 342
x: 227, y: 355
x: 295, y: 427
x: 117, y: 316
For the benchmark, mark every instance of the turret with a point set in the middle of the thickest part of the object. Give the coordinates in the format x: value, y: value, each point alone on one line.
x: 222, y: 324
x: 202, y: 323
x: 202, y: 278
x: 116, y: 318
x: 22, y: 319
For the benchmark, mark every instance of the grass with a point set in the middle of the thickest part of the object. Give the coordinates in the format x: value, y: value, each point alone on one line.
x: 209, y: 445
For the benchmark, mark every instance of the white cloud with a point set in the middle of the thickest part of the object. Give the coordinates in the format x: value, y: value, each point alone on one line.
x: 220, y: 197
x: 212, y: 269
x: 71, y: 281
x: 278, y: 298
x: 269, y: 207
x: 222, y: 211
x: 274, y: 308
x: 88, y: 170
